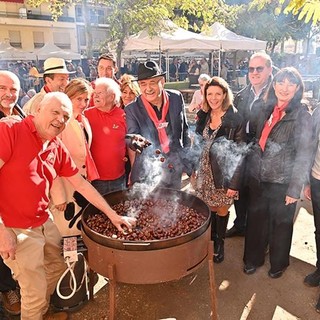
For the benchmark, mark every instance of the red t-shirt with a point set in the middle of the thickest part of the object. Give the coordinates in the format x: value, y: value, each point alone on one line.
x: 28, y: 172
x: 108, y: 147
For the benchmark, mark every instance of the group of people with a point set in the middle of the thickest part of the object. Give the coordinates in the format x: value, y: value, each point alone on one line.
x: 78, y: 141
x: 73, y: 154
x: 179, y: 69
x: 258, y: 151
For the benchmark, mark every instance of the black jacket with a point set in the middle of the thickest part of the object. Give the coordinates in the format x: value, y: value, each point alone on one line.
x: 287, y: 155
x: 228, y: 149
x: 242, y: 101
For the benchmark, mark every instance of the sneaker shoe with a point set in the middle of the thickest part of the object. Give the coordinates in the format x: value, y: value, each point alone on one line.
x: 11, y: 302
x: 312, y: 279
x: 55, y: 316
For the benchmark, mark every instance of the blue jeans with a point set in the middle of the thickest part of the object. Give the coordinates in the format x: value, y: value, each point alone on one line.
x: 107, y: 186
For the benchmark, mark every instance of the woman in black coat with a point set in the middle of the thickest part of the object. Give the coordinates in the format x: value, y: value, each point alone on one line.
x: 219, y: 173
x: 278, y: 166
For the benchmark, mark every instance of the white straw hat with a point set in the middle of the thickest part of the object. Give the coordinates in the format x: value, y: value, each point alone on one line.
x: 55, y: 65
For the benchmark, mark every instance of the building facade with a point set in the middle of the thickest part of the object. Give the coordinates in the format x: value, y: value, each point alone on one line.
x: 29, y: 28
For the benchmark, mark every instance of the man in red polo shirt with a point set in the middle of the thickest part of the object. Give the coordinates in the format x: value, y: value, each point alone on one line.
x: 30, y: 158
x: 108, y: 127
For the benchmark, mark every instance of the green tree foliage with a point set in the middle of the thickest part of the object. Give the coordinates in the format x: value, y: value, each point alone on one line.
x: 307, y: 10
x: 131, y: 16
x: 269, y: 24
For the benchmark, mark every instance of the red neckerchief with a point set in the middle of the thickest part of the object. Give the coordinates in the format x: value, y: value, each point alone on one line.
x: 271, y: 122
x: 46, y: 89
x: 162, y: 134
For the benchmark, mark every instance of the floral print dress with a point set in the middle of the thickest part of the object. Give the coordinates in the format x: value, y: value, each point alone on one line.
x: 205, y: 188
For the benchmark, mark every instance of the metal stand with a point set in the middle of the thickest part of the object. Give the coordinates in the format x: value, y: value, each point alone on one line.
x: 113, y: 282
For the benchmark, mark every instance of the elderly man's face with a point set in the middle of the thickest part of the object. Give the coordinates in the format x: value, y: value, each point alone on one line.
x: 51, y: 118
x: 9, y: 92
x: 152, y: 89
x: 101, y: 98
x: 106, y: 68
x: 58, y: 83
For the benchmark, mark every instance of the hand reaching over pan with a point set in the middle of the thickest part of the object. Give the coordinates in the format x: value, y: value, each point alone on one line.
x: 137, y: 142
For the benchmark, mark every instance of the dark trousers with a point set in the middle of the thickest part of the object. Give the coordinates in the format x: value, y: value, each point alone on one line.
x: 269, y: 221
x: 107, y: 186
x: 6, y: 281
x: 315, y: 196
x: 241, y: 208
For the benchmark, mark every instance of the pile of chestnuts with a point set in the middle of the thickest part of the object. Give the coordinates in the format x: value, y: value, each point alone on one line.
x: 157, y: 219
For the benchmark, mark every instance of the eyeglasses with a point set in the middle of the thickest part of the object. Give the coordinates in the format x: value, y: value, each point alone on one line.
x: 258, y: 69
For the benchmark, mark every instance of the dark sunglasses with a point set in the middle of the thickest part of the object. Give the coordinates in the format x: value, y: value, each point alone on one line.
x: 258, y: 69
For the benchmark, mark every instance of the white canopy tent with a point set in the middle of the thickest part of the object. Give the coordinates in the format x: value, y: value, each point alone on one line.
x: 176, y: 40
x: 229, y: 40
x: 51, y: 50
x: 9, y: 53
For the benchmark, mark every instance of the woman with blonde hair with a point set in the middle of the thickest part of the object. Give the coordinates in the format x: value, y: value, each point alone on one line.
x: 67, y: 205
x: 219, y: 175
x: 129, y: 89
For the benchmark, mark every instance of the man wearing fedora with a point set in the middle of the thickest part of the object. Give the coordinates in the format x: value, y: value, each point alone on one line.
x: 55, y: 77
x: 159, y: 116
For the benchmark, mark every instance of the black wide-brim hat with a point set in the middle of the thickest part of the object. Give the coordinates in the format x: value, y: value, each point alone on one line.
x: 148, y: 70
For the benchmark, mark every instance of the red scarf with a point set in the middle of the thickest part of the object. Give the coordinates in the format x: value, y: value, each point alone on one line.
x: 92, y: 172
x: 162, y: 134
x: 46, y: 89
x: 274, y: 118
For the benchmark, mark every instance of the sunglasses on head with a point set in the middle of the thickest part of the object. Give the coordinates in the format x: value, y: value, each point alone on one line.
x: 258, y: 69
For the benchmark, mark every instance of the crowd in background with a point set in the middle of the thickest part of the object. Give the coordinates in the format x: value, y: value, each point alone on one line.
x: 180, y: 68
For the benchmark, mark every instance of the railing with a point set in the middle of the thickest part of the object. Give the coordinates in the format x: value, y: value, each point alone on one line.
x: 33, y: 16
x: 94, y: 19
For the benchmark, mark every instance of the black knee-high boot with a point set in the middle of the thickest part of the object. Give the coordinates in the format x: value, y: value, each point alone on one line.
x: 221, y: 227
x: 213, y: 225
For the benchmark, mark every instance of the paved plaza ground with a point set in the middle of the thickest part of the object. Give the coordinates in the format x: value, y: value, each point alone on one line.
x: 285, y: 298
